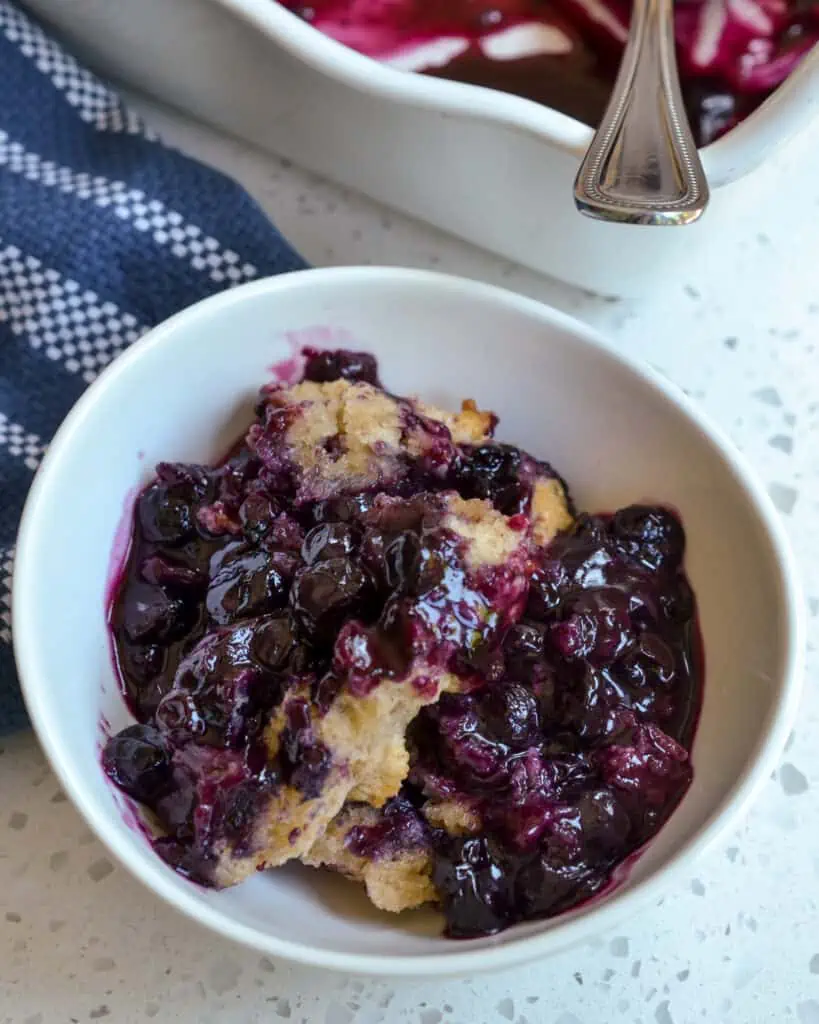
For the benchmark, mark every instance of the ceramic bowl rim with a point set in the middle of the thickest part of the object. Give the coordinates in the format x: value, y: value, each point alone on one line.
x: 462, y: 959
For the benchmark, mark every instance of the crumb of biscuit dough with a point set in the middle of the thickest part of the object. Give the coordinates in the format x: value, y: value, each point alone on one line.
x: 469, y: 426
x: 472, y: 425
x: 401, y: 883
x: 491, y: 540
x: 549, y: 510
x: 370, y: 730
x: 344, y: 433
x: 400, y: 880
x: 454, y: 816
x: 365, y: 736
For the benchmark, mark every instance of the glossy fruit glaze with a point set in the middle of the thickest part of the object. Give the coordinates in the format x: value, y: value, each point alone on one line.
x: 572, y: 748
x: 564, y: 53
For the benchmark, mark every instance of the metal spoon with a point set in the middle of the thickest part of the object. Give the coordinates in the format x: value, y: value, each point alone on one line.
x: 642, y: 166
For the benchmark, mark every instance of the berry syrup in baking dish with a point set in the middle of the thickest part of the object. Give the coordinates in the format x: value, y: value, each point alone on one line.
x: 564, y: 53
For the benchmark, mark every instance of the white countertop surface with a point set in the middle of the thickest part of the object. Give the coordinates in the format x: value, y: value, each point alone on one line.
x: 737, y: 942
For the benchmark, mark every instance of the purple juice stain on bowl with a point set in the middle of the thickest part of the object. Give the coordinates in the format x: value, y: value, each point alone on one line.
x: 120, y: 548
x: 316, y: 337
x: 569, y: 743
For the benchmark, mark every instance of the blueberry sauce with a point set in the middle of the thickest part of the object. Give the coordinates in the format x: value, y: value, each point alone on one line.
x: 579, y: 752
x: 565, y: 53
x: 243, y: 598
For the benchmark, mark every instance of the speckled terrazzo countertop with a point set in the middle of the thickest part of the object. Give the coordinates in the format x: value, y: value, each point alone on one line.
x: 738, y: 942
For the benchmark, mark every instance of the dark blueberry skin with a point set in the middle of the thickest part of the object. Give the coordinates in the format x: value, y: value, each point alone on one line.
x: 329, y: 540
x: 244, y: 582
x: 473, y: 880
x: 321, y: 366
x: 138, y: 761
x: 499, y: 472
x: 569, y: 741
x: 304, y: 762
x: 326, y: 594
x: 401, y: 828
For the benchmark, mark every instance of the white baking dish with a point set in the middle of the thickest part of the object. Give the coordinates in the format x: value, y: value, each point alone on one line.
x: 487, y: 166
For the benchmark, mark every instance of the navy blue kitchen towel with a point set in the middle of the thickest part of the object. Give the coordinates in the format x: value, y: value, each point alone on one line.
x: 103, y: 232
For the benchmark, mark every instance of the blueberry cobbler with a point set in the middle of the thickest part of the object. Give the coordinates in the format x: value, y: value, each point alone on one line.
x: 732, y: 54
x: 377, y: 640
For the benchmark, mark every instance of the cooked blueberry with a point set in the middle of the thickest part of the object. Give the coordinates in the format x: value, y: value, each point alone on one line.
x: 678, y: 602
x: 168, y: 572
x: 484, y: 659
x: 325, y: 594
x: 546, y: 589
x: 545, y: 685
x: 588, y: 705
x: 522, y: 825
x: 240, y: 812
x: 476, y: 759
x: 512, y: 713
x: 274, y: 641
x: 432, y: 570
x: 658, y: 658
x: 604, y: 821
x: 371, y: 554
x: 342, y: 510
x: 304, y: 761
x: 652, y: 766
x: 244, y: 582
x: 328, y: 540
x: 397, y: 631
x: 165, y: 515
x: 218, y: 687
x: 547, y: 884
x: 137, y: 760
x: 142, y: 664
x: 180, y: 717
x: 218, y: 520
x: 499, y: 472
x: 392, y: 560
x: 653, y: 536
x: 326, y: 690
x: 400, y: 829
x: 196, y: 480
x: 327, y: 365
x: 402, y: 559
x: 256, y: 514
x: 285, y: 536
x: 595, y: 625
x: 204, y: 780
x: 524, y: 642
x: 217, y: 714
x: 235, y: 478
x: 590, y: 530
x: 149, y: 614
x: 475, y: 756
x: 309, y: 773
x: 473, y: 884
x: 193, y: 864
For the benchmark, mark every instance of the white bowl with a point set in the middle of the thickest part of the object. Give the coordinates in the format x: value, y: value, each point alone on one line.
x: 493, y: 168
x: 616, y: 431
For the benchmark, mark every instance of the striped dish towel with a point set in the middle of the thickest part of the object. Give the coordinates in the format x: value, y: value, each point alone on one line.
x: 104, y: 231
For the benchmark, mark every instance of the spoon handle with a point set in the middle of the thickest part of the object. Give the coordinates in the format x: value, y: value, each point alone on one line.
x: 642, y: 166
